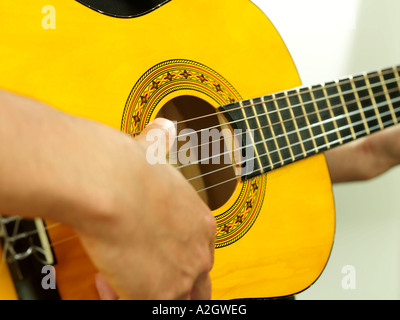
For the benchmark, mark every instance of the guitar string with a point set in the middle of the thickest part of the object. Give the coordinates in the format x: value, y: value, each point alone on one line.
x: 283, y: 109
x: 289, y: 107
x: 329, y: 108
x: 365, y: 122
x: 295, y: 131
x: 307, y: 114
x: 325, y: 85
x: 47, y: 227
x: 386, y: 123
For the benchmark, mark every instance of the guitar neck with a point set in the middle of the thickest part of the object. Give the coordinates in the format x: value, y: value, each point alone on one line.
x: 298, y: 123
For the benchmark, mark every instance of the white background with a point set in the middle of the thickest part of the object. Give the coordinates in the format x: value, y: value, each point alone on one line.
x: 329, y: 39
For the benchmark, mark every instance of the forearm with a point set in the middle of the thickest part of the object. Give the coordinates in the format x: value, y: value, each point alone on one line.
x: 365, y: 158
x: 44, y: 155
x: 347, y: 163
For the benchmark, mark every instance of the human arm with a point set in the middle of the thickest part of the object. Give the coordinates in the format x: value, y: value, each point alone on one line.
x: 365, y: 158
x: 132, y: 217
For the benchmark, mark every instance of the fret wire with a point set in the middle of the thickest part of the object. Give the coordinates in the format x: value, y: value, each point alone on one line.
x: 397, y: 77
x: 351, y: 104
x: 344, y: 106
x: 366, y: 79
x: 258, y: 134
x: 326, y: 112
x: 306, y: 118
x: 359, y: 103
x: 265, y: 129
x: 396, y: 73
x: 318, y: 114
x: 339, y: 112
x: 251, y: 137
x: 365, y: 99
x: 387, y: 96
x: 272, y: 129
x: 332, y: 115
x: 300, y: 119
x: 278, y: 127
x: 390, y: 85
x: 289, y: 124
x: 295, y: 124
x: 261, y: 131
x: 312, y: 116
x: 375, y: 79
x: 283, y: 127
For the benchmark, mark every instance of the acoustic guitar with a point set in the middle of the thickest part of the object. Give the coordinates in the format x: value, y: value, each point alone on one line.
x: 205, y: 64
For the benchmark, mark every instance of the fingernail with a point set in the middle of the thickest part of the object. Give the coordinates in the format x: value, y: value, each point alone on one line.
x: 168, y: 125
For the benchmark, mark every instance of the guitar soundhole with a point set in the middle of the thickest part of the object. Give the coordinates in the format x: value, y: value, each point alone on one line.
x: 203, y: 155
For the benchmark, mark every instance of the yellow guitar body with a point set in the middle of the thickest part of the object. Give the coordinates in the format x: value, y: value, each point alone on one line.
x: 121, y: 72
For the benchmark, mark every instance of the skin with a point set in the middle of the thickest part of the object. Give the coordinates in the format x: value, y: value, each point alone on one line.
x: 97, y: 180
x: 366, y: 158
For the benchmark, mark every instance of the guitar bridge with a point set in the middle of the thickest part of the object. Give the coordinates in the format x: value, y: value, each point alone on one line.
x: 26, y: 250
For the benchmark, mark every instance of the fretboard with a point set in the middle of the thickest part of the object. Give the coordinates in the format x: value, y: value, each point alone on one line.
x: 291, y: 125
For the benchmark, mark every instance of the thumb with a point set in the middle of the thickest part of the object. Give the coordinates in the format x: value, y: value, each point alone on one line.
x: 158, y: 127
